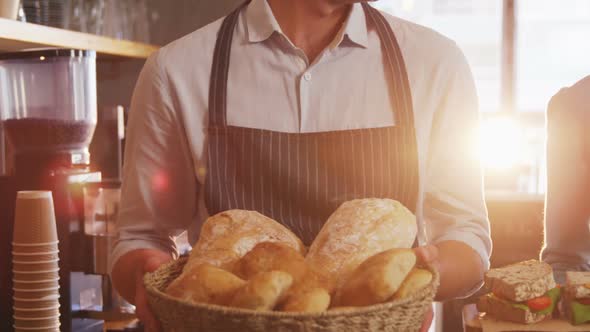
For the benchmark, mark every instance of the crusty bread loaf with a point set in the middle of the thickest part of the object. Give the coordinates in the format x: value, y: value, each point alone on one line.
x: 269, y: 256
x: 503, y: 310
x: 376, y: 279
x: 357, y: 230
x: 205, y: 284
x: 314, y: 300
x: 228, y: 236
x: 415, y: 281
x: 263, y: 291
x: 521, y: 281
x: 578, y: 284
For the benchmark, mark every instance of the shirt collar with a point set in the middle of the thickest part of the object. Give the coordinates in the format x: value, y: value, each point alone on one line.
x: 261, y: 24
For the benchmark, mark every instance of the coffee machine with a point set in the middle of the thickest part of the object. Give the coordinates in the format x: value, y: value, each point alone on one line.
x: 48, y: 114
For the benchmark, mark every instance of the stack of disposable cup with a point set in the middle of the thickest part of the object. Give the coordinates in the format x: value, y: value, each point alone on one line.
x: 35, y: 263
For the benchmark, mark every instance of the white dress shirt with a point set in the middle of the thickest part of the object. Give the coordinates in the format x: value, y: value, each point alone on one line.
x: 272, y: 85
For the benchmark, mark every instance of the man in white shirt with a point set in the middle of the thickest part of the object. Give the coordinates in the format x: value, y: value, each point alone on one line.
x: 290, y: 108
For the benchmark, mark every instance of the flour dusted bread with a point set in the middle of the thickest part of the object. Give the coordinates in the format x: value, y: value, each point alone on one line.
x: 263, y: 291
x: 205, y: 284
x: 377, y: 278
x: 357, y: 230
x: 246, y: 260
x: 228, y: 236
x: 521, y: 281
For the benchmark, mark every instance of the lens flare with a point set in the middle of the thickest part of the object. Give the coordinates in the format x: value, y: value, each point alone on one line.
x: 160, y: 182
x: 501, y: 143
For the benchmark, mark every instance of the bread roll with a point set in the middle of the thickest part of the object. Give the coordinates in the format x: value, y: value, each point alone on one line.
x: 269, y: 256
x: 205, y: 284
x: 314, y: 300
x: 377, y: 278
x: 415, y: 281
x: 357, y: 230
x: 263, y: 291
x: 311, y: 279
x: 228, y: 236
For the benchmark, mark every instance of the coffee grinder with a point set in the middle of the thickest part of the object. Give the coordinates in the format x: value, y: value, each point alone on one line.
x: 48, y: 113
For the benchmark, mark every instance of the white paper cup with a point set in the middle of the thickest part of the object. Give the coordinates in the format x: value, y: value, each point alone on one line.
x: 34, y: 218
x: 39, y: 295
x: 35, y: 303
x: 26, y: 248
x: 35, y: 266
x: 9, y: 9
x: 43, y: 322
x: 35, y: 256
x: 37, y: 312
x: 37, y: 329
x: 36, y: 276
x: 28, y: 284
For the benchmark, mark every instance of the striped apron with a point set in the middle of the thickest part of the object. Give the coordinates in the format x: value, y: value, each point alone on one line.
x: 299, y: 179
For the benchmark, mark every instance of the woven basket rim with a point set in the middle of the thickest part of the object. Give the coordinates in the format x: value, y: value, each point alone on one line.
x: 281, y: 314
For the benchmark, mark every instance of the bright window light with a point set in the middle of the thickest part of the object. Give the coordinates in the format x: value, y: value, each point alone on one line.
x: 502, y: 143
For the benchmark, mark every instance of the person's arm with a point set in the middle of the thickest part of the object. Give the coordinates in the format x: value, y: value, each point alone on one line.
x: 127, y: 276
x: 455, y: 214
x: 567, y: 235
x: 158, y: 194
x: 455, y: 279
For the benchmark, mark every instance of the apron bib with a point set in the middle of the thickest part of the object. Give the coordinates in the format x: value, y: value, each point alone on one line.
x: 299, y: 179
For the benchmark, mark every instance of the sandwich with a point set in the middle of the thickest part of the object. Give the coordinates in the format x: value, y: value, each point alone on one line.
x: 523, y: 293
x: 576, y: 297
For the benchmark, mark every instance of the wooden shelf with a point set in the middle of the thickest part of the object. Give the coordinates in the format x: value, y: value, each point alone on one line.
x: 16, y: 36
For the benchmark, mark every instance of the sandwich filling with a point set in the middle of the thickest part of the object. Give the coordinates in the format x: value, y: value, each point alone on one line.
x: 580, y: 309
x: 541, y: 305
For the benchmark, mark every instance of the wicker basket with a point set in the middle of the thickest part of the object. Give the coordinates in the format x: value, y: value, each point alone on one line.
x: 175, y: 315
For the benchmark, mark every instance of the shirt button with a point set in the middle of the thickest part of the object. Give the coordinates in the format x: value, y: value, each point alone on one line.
x: 202, y: 171
x: 307, y: 76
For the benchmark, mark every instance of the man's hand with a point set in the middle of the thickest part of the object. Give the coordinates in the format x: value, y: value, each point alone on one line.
x: 128, y: 275
x: 142, y: 308
x: 428, y: 255
x: 460, y: 268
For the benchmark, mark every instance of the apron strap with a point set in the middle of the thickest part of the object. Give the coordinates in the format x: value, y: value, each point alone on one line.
x: 220, y: 69
x: 395, y: 67
x: 400, y: 85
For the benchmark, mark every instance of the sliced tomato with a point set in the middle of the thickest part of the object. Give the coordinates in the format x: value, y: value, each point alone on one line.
x: 539, y: 303
x: 584, y: 301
